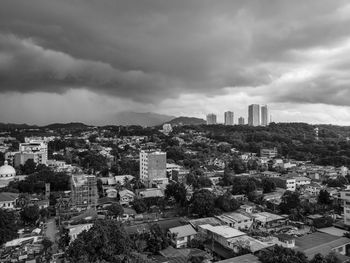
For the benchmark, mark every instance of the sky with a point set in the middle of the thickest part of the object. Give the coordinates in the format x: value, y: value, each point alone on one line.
x: 86, y: 60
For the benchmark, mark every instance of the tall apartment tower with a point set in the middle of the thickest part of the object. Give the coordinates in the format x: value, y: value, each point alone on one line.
x: 211, y: 119
x: 229, y: 118
x: 264, y: 115
x: 84, y: 192
x: 241, y: 121
x: 153, y: 168
x: 254, y: 115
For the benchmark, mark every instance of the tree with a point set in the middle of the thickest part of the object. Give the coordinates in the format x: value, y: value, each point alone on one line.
x: 8, y: 227
x: 29, y: 167
x: 268, y: 185
x: 290, y: 200
x: 156, y: 239
x: 139, y: 205
x: 330, y: 258
x: 100, y: 188
x: 177, y: 191
x: 324, y: 198
x: 227, y: 203
x: 115, y: 210
x: 106, y: 241
x: 282, y: 255
x: 203, y: 203
x: 30, y: 214
x: 64, y: 240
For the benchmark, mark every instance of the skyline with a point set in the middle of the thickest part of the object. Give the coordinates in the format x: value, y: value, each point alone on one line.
x: 85, y: 61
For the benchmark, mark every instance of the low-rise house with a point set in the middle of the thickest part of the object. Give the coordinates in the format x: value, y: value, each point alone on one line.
x: 322, y: 243
x: 149, y: 192
x: 220, y: 234
x: 121, y: 179
x: 302, y: 180
x: 8, y: 200
x: 236, y: 220
x: 286, y: 240
x: 268, y: 220
x: 75, y: 230
x: 313, y: 188
x: 181, y: 235
x: 112, y: 193
x: 126, y: 197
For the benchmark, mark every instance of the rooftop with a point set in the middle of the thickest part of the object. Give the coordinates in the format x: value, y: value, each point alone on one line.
x: 224, y: 231
x: 248, y: 258
x: 183, y: 231
x: 7, y: 196
x: 319, y: 243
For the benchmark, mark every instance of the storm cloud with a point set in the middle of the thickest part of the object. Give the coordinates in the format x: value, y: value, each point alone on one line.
x: 152, y: 51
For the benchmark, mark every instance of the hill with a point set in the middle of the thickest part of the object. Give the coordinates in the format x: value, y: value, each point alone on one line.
x: 67, y: 126
x: 186, y: 121
x: 141, y: 118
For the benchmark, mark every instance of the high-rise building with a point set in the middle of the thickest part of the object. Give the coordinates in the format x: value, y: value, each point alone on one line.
x: 84, y: 192
x: 254, y: 115
x: 211, y: 118
x: 264, y: 115
x: 241, y: 121
x: 153, y: 168
x: 229, y: 118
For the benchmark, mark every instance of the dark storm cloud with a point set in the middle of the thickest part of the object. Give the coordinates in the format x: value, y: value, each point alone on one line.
x: 151, y: 50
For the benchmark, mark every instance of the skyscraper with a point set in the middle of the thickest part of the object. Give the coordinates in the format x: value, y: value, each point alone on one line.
x: 254, y: 115
x: 264, y: 115
x: 241, y: 121
x: 229, y: 118
x: 211, y: 119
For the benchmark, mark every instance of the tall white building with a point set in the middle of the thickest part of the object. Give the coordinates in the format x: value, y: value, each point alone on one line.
x: 211, y: 119
x: 229, y: 118
x: 264, y: 115
x: 254, y: 115
x: 32, y: 149
x: 153, y: 168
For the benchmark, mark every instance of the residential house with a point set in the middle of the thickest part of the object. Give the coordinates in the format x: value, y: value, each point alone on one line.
x: 181, y: 235
x: 8, y: 200
x: 236, y: 220
x: 126, y: 197
x: 322, y: 243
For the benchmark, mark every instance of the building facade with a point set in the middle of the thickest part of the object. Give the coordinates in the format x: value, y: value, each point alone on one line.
x: 241, y: 121
x: 84, y: 192
x: 211, y: 119
x: 254, y: 115
x: 229, y: 116
x: 264, y: 115
x: 153, y: 168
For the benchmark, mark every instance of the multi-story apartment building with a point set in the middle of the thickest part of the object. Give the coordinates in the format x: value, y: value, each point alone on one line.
x: 254, y: 115
x: 268, y: 153
x: 84, y: 192
x: 211, y: 119
x: 153, y: 168
x: 264, y: 115
x: 229, y: 118
x: 241, y: 121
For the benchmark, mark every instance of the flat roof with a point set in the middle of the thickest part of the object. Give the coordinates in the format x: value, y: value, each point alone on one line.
x: 248, y: 258
x: 224, y: 231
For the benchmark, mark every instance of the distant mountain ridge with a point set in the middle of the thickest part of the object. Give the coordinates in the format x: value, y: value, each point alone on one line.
x: 148, y: 119
x: 68, y: 126
x: 186, y: 121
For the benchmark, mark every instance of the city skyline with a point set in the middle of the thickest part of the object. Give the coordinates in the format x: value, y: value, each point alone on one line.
x: 86, y: 61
